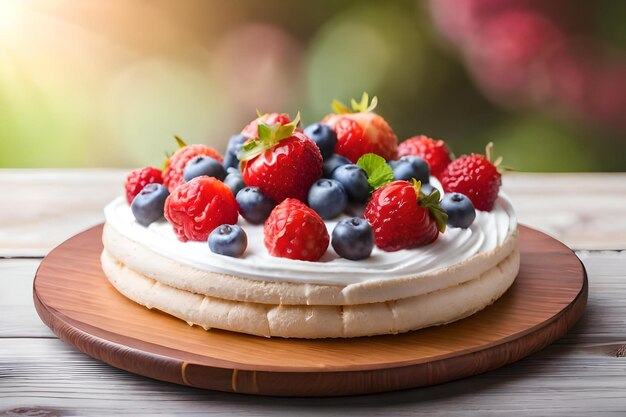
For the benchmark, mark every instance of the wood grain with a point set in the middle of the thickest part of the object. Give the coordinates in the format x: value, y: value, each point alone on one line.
x: 56, y: 204
x: 76, y: 301
x: 572, y: 377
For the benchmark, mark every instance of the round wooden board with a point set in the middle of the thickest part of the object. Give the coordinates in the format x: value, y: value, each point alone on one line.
x: 74, y: 298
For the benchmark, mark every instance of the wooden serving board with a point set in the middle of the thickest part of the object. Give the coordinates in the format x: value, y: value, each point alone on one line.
x: 74, y: 298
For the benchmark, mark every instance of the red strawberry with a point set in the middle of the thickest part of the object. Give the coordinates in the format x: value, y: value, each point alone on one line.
x: 360, y: 131
x: 139, y: 178
x: 283, y: 162
x: 269, y: 119
x: 173, y: 174
x: 197, y: 207
x: 434, y: 152
x: 403, y: 217
x: 475, y: 176
x: 295, y: 231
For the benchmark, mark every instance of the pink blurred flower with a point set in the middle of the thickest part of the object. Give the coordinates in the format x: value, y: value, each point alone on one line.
x: 507, y: 56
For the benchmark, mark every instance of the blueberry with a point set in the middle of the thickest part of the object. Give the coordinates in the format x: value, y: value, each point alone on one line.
x: 353, y: 238
x: 354, y: 180
x: 324, y: 137
x: 328, y: 198
x: 334, y: 161
x: 229, y: 240
x: 254, y: 206
x: 147, y: 206
x: 461, y: 212
x: 234, y: 144
x: 234, y: 181
x: 203, y: 165
x: 409, y: 167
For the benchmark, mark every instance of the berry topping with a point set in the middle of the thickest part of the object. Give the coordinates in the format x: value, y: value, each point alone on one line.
x: 328, y: 198
x: 359, y: 130
x: 139, y: 178
x: 474, y: 176
x: 403, y: 217
x: 173, y: 174
x: 353, y: 238
x: 197, y: 207
x: 409, y: 167
x: 234, y: 144
x: 234, y: 180
x: 324, y: 137
x: 203, y: 165
x: 354, y: 180
x: 282, y: 161
x: 147, y: 206
x: 461, y: 212
x: 229, y: 240
x: 434, y: 152
x: 254, y: 206
x: 295, y: 231
x: 268, y: 119
x: 334, y: 161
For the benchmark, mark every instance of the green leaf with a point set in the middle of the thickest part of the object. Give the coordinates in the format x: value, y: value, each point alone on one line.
x: 377, y: 170
x: 264, y: 132
x: 340, y: 108
x: 181, y: 143
x: 431, y: 202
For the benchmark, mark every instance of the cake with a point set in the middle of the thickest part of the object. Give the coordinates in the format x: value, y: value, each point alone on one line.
x: 413, y: 273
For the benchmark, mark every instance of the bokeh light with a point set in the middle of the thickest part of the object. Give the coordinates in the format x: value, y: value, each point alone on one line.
x: 87, y: 83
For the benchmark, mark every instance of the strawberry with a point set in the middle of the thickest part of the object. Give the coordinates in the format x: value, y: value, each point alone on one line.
x: 359, y: 130
x: 197, y: 207
x: 475, y: 176
x: 295, y: 231
x: 403, y: 217
x: 175, y: 164
x: 282, y: 161
x: 269, y: 119
x: 139, y: 178
x: 434, y: 152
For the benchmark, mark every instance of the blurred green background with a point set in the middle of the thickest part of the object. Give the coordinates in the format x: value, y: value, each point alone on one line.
x: 90, y: 83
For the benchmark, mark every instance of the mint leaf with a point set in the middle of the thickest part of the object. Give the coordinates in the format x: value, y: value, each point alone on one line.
x: 377, y: 170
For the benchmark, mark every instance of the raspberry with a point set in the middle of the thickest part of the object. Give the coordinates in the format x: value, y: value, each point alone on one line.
x: 400, y: 221
x: 295, y: 231
x: 139, y: 178
x: 173, y: 174
x: 475, y: 176
x: 197, y: 207
x: 434, y: 152
x: 269, y: 119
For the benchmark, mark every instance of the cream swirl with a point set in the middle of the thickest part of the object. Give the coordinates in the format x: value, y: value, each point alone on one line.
x: 489, y: 230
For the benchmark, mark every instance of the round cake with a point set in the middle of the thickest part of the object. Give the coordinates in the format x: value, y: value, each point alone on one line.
x: 166, y: 263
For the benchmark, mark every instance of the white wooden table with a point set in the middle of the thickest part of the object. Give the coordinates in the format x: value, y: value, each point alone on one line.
x: 583, y: 374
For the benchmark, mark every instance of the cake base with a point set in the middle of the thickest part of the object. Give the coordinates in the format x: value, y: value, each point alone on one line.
x: 74, y: 298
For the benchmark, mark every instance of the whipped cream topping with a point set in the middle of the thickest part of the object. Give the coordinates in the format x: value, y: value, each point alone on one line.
x: 489, y: 230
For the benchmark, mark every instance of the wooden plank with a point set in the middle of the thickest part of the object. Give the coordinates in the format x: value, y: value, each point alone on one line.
x: 19, y: 318
x: 584, y: 374
x: 52, y: 376
x: 562, y: 206
x: 41, y: 208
